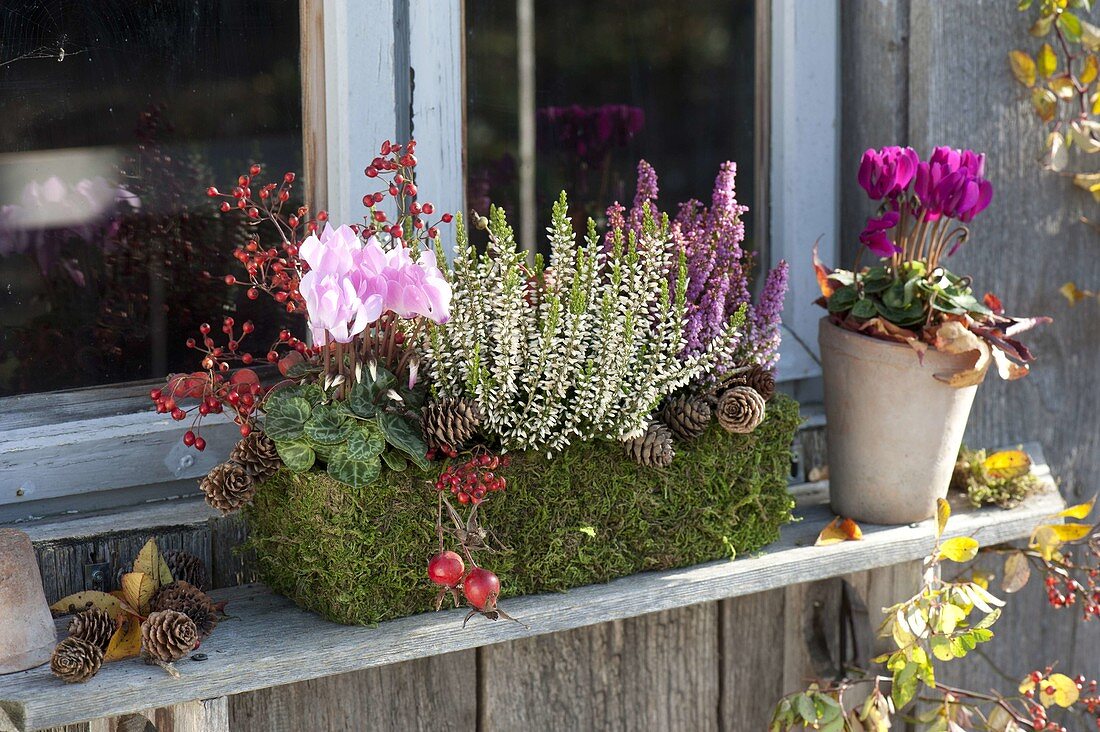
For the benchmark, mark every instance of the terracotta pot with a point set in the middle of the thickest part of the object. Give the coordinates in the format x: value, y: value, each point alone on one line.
x: 893, y: 430
x: 27, y: 635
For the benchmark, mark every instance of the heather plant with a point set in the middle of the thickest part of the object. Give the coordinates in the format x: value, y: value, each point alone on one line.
x: 719, y: 269
x: 585, y: 348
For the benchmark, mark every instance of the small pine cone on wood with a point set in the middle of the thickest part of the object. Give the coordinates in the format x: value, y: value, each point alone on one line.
x: 76, y: 660
x: 185, y: 598
x: 740, y: 409
x: 168, y: 636
x: 94, y: 625
x: 652, y: 448
x: 188, y: 568
x: 687, y: 415
x: 257, y: 454
x: 450, y: 422
x: 228, y: 487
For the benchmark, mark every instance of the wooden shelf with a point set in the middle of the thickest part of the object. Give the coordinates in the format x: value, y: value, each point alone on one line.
x: 269, y: 642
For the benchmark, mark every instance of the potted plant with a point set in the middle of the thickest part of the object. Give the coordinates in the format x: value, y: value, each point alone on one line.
x: 558, y: 422
x: 906, y: 342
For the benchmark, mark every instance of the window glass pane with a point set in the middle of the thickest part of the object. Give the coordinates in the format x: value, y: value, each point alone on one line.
x: 117, y: 116
x: 614, y: 81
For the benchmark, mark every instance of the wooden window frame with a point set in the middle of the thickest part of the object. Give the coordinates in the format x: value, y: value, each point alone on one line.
x: 364, y: 80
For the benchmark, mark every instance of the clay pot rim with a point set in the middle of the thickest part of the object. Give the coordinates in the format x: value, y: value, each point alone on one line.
x: 869, y: 348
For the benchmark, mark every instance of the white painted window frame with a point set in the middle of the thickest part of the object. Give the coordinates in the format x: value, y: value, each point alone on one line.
x: 366, y: 79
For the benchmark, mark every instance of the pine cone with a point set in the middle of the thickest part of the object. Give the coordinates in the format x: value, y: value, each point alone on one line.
x: 762, y: 380
x: 93, y: 625
x: 188, y: 568
x: 652, y: 448
x: 228, y: 487
x: 257, y: 454
x: 168, y: 635
x: 76, y: 660
x: 450, y: 422
x: 185, y: 598
x: 686, y: 415
x: 740, y: 409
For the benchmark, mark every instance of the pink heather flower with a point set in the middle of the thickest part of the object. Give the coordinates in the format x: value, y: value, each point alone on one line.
x: 339, y: 300
x: 874, y: 235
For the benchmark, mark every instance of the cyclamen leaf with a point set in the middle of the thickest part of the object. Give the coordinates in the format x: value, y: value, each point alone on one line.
x: 366, y: 443
x: 395, y: 461
x: 296, y: 455
x: 285, y: 419
x: 361, y: 401
x: 405, y: 437
x: 327, y: 426
x: 356, y: 473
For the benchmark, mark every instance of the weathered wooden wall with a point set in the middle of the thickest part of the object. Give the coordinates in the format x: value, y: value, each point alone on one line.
x: 925, y: 73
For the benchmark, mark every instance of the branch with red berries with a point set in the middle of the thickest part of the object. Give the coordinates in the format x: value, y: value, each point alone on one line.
x: 471, y: 482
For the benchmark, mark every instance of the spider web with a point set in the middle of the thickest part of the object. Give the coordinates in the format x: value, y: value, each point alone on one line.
x: 31, y: 30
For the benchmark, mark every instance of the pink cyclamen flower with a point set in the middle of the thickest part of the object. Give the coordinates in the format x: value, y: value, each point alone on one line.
x: 886, y: 173
x: 950, y: 184
x: 874, y: 235
x: 338, y: 300
x: 417, y: 287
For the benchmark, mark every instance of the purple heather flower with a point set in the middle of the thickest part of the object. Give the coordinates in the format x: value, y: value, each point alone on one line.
x: 886, y: 173
x: 874, y: 235
x: 719, y: 269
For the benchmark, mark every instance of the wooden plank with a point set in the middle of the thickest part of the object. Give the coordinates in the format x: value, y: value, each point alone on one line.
x: 656, y: 671
x: 314, y: 136
x: 244, y: 645
x: 431, y: 694
x: 752, y: 659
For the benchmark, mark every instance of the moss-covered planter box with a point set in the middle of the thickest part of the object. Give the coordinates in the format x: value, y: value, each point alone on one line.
x: 589, y: 515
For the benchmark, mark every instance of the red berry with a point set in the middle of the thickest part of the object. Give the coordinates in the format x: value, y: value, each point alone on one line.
x: 154, y: 394
x: 428, y: 209
x: 446, y: 569
x: 254, y: 170
x: 245, y: 430
x: 447, y: 218
x: 211, y: 191
x: 481, y: 588
x: 189, y: 438
x: 200, y: 444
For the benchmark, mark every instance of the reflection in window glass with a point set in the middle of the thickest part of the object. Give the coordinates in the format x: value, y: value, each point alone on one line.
x: 117, y: 116
x: 614, y: 81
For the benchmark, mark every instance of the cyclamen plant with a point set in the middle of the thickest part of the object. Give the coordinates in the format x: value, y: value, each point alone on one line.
x: 719, y: 270
x: 365, y: 290
x: 923, y: 215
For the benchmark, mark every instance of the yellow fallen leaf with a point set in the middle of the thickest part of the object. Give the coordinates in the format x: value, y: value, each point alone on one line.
x: 838, y: 530
x: 1089, y: 73
x: 150, y: 561
x: 1064, y: 694
x: 1017, y: 572
x: 1070, y: 532
x: 1070, y: 291
x: 83, y: 600
x: 138, y: 589
x: 126, y: 642
x: 959, y: 549
x: 1080, y: 511
x: 955, y: 338
x: 943, y: 512
x: 1046, y: 61
x: 1007, y: 464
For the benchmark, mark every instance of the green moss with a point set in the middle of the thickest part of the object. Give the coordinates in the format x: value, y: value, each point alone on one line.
x: 983, y: 488
x: 589, y: 515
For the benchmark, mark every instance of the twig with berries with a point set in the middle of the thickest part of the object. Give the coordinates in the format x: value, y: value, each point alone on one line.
x: 471, y: 482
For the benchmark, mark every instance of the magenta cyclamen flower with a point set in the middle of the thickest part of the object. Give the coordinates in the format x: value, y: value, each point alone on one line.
x: 887, y: 172
x: 874, y: 235
x: 950, y: 184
